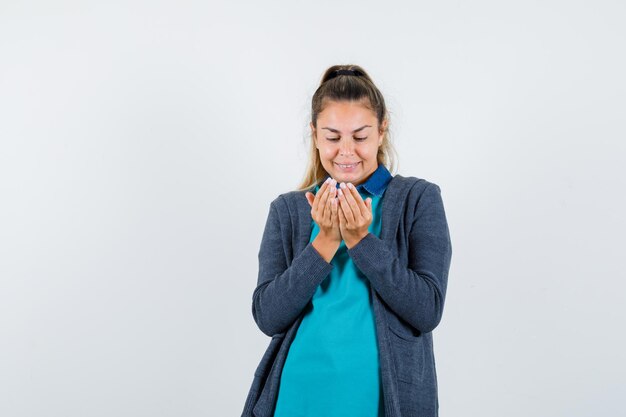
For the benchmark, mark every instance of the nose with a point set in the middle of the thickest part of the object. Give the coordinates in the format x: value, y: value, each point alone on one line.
x: 346, y: 147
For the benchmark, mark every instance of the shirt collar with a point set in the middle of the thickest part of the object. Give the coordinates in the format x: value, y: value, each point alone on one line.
x: 375, y: 184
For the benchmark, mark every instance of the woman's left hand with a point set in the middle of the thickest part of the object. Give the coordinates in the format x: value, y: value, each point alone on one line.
x: 355, y: 215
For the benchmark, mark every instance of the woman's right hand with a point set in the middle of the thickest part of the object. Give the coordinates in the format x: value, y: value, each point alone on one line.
x: 324, y: 206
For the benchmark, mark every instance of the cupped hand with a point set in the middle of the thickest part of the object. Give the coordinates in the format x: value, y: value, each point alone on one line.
x: 355, y: 215
x: 324, y: 209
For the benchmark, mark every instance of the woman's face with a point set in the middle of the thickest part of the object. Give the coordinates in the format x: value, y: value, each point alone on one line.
x: 347, y: 139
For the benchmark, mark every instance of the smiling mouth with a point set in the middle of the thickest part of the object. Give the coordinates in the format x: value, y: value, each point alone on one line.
x: 347, y: 166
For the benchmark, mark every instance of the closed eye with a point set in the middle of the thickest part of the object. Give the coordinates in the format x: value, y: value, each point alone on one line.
x: 336, y: 139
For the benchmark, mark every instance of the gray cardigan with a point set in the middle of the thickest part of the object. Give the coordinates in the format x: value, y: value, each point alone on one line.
x: 407, y: 268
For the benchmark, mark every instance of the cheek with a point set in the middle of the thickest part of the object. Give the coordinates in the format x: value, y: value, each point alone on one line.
x: 327, y: 152
x: 368, y: 152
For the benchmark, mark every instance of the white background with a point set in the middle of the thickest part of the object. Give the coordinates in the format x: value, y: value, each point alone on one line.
x: 141, y: 144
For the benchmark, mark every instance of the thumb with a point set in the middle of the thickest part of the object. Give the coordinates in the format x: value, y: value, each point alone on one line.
x: 308, y: 198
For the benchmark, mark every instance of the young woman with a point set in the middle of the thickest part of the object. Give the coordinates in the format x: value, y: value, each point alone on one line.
x: 353, y: 270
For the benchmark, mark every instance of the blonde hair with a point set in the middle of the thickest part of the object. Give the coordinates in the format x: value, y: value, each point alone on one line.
x: 358, y: 87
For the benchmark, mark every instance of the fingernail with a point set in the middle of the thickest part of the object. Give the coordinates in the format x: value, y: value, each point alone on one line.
x: 350, y: 185
x: 342, y: 185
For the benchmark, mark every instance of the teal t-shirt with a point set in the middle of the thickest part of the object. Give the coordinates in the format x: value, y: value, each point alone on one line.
x: 332, y: 368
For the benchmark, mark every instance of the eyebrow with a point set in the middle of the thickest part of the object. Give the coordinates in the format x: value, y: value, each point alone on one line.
x: 354, y: 131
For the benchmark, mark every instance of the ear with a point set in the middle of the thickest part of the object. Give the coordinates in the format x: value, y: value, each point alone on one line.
x: 383, y: 126
x: 313, y: 135
x: 383, y: 129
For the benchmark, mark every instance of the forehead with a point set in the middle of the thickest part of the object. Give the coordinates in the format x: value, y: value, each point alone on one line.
x: 346, y: 113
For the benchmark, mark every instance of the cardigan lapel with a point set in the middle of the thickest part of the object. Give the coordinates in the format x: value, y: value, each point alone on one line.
x: 304, y: 222
x: 391, y: 198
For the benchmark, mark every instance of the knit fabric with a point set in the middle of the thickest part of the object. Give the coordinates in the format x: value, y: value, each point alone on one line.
x: 407, y: 270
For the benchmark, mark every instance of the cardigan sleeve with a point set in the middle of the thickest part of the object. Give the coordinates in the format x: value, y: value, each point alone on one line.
x: 283, y: 290
x: 415, y: 293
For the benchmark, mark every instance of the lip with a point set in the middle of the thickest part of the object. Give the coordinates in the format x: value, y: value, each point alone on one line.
x: 348, y: 170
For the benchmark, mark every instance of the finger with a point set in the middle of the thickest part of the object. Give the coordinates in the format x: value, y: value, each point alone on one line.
x: 328, y: 208
x: 310, y: 197
x: 322, y: 187
x: 325, y: 199
x: 342, y: 218
x: 362, y: 208
x: 318, y: 198
x: 345, y: 207
x: 350, y: 190
x: 334, y: 209
x: 368, y: 216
